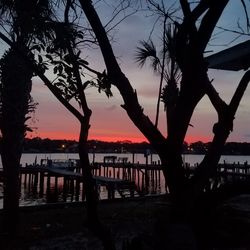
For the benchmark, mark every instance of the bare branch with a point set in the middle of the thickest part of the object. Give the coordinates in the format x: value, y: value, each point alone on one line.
x: 91, y: 70
x: 121, y: 20
x: 242, y: 33
x: 246, y: 13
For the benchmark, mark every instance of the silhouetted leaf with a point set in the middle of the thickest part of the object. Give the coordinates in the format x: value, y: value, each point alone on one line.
x: 40, y: 59
x: 36, y: 47
x: 49, y: 57
x: 60, y: 69
x: 83, y: 62
x: 147, y: 50
x: 55, y: 69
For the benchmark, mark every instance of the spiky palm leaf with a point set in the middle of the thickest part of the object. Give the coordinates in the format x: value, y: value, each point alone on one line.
x: 145, y: 52
x: 172, y: 70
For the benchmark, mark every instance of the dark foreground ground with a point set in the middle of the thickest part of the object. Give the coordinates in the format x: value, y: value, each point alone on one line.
x: 146, y: 222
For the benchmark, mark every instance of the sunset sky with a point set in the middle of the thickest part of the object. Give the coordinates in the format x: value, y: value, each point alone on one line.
x: 110, y: 122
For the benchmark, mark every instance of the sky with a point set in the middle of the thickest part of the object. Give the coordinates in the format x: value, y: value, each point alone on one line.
x: 109, y: 121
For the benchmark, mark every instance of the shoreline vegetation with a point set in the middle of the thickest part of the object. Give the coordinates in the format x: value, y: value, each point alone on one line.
x: 38, y: 145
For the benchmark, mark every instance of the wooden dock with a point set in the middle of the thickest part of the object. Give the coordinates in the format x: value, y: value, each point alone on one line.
x: 112, y: 184
x: 114, y: 179
x: 44, y: 178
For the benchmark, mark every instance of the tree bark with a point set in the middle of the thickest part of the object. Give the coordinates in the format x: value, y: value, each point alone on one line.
x: 91, y: 192
x: 16, y: 87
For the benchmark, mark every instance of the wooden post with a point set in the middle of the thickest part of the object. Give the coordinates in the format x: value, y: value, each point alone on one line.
x: 56, y: 188
x: 72, y: 189
x: 35, y: 183
x: 246, y: 167
x: 138, y: 177
x: 64, y: 189
x: 153, y: 177
x: 129, y: 174
x: 118, y: 173
x: 111, y: 192
x: 77, y: 190
x: 159, y: 176
x: 35, y: 180
x: 20, y: 180
x: 48, y: 182
x: 48, y: 191
x: 146, y: 180
x: 142, y: 184
x: 41, y: 184
x: 30, y: 180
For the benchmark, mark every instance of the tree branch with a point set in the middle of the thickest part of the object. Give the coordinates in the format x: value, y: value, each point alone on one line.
x: 87, y: 112
x: 118, y: 79
x: 235, y: 101
x: 209, y: 22
x: 185, y: 7
x: 214, y: 97
x: 222, y: 129
x: 46, y: 81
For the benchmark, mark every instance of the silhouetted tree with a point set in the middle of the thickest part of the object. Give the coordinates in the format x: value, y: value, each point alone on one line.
x: 194, y: 31
x: 61, y: 52
x: 18, y: 18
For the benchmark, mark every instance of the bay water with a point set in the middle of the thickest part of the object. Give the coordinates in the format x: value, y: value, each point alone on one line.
x: 26, y: 199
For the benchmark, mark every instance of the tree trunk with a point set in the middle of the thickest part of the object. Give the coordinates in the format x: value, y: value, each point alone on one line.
x: 89, y: 183
x: 16, y: 87
x: 91, y: 192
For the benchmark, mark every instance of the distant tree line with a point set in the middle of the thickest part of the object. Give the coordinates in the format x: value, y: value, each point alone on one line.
x: 230, y: 148
x: 39, y: 145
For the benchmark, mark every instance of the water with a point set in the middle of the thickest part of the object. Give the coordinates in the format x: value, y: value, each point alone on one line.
x: 140, y: 158
x: 31, y: 197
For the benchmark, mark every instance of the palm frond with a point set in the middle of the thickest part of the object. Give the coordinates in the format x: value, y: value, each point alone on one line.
x: 170, y: 42
x: 171, y: 69
x: 145, y: 51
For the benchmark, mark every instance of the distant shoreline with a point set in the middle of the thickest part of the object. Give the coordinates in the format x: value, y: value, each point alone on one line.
x: 105, y: 152
x: 48, y: 146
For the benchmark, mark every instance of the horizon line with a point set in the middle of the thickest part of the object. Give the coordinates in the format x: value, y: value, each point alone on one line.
x: 120, y: 141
